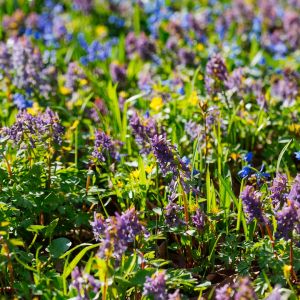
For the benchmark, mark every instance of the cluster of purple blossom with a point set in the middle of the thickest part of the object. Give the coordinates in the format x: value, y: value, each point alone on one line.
x: 285, y: 85
x: 84, y: 283
x: 105, y: 147
x: 155, y: 286
x: 23, y: 65
x: 74, y: 76
x: 142, y: 45
x: 32, y: 130
x: 241, y: 289
x: 252, y: 205
x: 286, y: 206
x: 116, y: 233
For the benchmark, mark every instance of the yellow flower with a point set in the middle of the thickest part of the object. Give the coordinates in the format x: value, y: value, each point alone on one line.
x: 101, y: 30
x: 294, y: 128
x: 34, y: 109
x: 149, y: 169
x: 135, y: 174
x: 120, y: 184
x: 287, y: 271
x: 234, y: 156
x: 83, y: 82
x: 75, y: 125
x: 64, y: 90
x: 194, y: 100
x: 215, y: 210
x: 200, y: 77
x: 200, y: 47
x: 123, y: 94
x: 156, y: 103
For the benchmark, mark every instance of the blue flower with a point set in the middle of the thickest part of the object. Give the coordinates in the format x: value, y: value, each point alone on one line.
x: 21, y: 102
x: 181, y: 90
x: 297, y: 155
x: 245, y: 172
x: 248, y: 157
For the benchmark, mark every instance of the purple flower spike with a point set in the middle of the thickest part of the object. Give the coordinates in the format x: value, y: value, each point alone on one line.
x: 252, y: 204
x: 156, y: 286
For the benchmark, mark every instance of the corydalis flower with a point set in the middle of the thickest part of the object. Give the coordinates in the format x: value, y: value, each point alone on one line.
x: 295, y: 190
x: 224, y: 293
x: 198, y: 219
x: 75, y: 77
x: 155, y: 286
x: 98, y: 226
x: 244, y: 289
x: 287, y: 219
x: 278, y: 190
x: 144, y: 130
x: 83, y: 5
x: 28, y: 70
x: 216, y: 74
x: 115, y: 233
x: 172, y: 215
x: 252, y: 204
x: 241, y: 289
x: 141, y: 44
x: 286, y: 88
x: 170, y: 162
x: 84, y: 283
x: 104, y: 147
x: 118, y: 73
x: 29, y: 129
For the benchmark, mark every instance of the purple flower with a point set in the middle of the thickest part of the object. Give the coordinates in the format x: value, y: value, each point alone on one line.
x: 278, y: 190
x: 104, y: 147
x: 142, y: 45
x: 216, y: 74
x: 252, y: 204
x: 198, y: 219
x: 244, y: 290
x: 115, y: 233
x: 235, y: 80
x: 83, y: 283
x: 98, y: 226
x: 118, y: 73
x: 172, y: 215
x: 192, y: 129
x: 155, y: 286
x: 275, y: 295
x: 145, y: 47
x: 224, y: 293
x: 83, y: 5
x: 186, y: 57
x: 73, y: 76
x: 29, y: 130
x: 287, y: 219
x: 212, y: 116
x: 286, y: 88
x: 27, y: 69
x: 143, y: 130
x: 295, y: 190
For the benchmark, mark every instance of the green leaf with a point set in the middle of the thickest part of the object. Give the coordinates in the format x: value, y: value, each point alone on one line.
x: 59, y: 246
x: 50, y: 228
x: 75, y: 261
